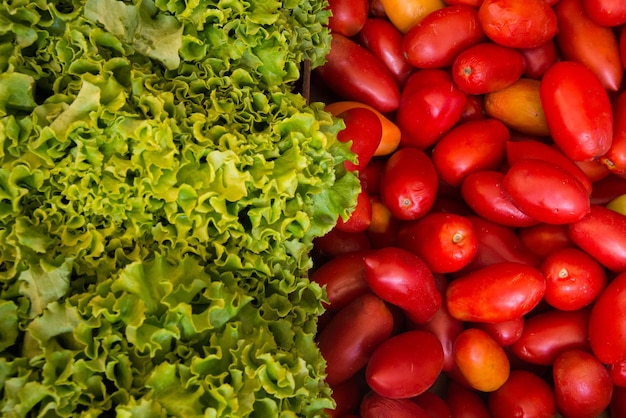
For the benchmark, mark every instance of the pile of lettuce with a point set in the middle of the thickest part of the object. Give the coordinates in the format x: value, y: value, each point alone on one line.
x: 161, y: 185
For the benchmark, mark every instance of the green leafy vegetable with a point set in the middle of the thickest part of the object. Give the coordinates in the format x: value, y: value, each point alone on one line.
x: 161, y: 185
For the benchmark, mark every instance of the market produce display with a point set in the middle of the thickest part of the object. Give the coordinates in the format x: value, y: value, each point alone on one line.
x: 482, y: 272
x: 161, y: 184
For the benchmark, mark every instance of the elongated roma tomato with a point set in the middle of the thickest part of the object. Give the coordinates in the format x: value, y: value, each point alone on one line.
x: 518, y: 23
x: 498, y: 292
x: 607, y: 323
x: 546, y: 192
x: 354, y: 73
x: 487, y: 67
x: 403, y: 279
x: 438, y: 38
x: 602, y: 234
x: 578, y: 110
x: 406, y: 365
x: 583, y: 40
x: 349, y: 339
x: 409, y: 184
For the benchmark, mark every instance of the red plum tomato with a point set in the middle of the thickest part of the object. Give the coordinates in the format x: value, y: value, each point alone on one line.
x: 607, y: 323
x: 465, y: 402
x: 524, y: 394
x: 374, y: 405
x: 542, y: 239
x: 363, y: 128
x: 348, y: 16
x: 606, y: 12
x: 615, y: 158
x: 539, y: 59
x: 504, y: 333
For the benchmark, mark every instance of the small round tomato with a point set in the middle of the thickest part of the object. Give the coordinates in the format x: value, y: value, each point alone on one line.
x: 438, y: 38
x: 504, y: 333
x: 548, y: 334
x: 403, y: 279
x: 409, y: 184
x: 607, y: 324
x: 469, y: 147
x: 405, y: 365
x: 481, y: 360
x: 348, y: 16
x: 577, y: 109
x: 573, y: 279
x: 518, y: 23
x: 487, y: 67
x: 445, y: 241
x: 349, y: 339
x: 524, y: 394
x: 545, y: 192
x: 582, y: 385
x: 477, y: 297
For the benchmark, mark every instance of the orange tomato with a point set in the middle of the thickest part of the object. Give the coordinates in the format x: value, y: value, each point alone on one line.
x: 390, y: 138
x: 404, y: 14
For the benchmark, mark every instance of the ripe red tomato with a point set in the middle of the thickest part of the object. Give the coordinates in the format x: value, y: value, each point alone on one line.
x: 409, y: 184
x: 384, y: 40
x: 546, y: 335
x: 577, y: 109
x: 602, y: 234
x: 428, y: 111
x: 583, y: 40
x: 403, y: 279
x: 354, y: 73
x: 483, y: 192
x: 445, y: 241
x: 348, y: 16
x: 337, y: 242
x: 469, y: 147
x: 487, y: 67
x: 360, y: 218
x: 406, y: 365
x: 383, y: 229
x: 524, y: 394
x: 606, y: 12
x: 618, y: 373
x: 545, y: 192
x: 542, y: 239
x: 349, y: 339
x: 607, y: 323
x: 344, y: 279
x: 481, y: 360
x: 474, y: 109
x: 436, y: 40
x: 347, y: 397
x: 433, y: 404
x: 573, y: 279
x: 375, y: 406
x: 582, y: 385
x: 364, y: 129
x: 518, y: 23
x: 478, y: 297
x: 615, y: 158
x: 504, y: 333
x: 539, y: 59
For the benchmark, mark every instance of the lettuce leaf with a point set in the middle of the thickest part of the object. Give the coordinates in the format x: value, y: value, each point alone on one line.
x: 161, y: 185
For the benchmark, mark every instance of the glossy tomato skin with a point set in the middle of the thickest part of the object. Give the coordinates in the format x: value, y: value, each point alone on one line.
x: 504, y: 333
x: 406, y: 365
x: 481, y: 360
x: 573, y: 279
x: 349, y: 339
x: 424, y: 78
x: 498, y: 292
x: 518, y: 23
x: 583, y: 40
x: 545, y: 192
x: 384, y: 40
x: 546, y: 335
x: 364, y: 129
x: 403, y: 279
x: 427, y: 112
x: 348, y: 16
x: 606, y: 12
x: 539, y: 59
x: 607, y: 189
x: 374, y: 405
x: 360, y: 218
x: 337, y: 242
x: 542, y: 239
x: 615, y: 158
x: 486, y: 67
x: 438, y: 38
x: 602, y: 234
x: 582, y: 385
x: 354, y: 73
x: 483, y: 192
x: 607, y: 323
x: 578, y: 110
x: 434, y: 404
x: 524, y: 394
x: 344, y: 279
x: 445, y: 241
x: 468, y: 147
x: 409, y: 184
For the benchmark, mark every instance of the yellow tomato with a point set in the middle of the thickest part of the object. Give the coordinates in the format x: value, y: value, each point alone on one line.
x: 405, y: 14
x: 618, y: 204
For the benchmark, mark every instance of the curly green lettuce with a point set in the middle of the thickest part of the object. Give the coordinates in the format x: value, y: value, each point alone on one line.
x: 161, y: 185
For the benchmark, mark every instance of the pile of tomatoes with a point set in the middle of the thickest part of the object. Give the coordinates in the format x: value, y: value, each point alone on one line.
x: 483, y: 270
